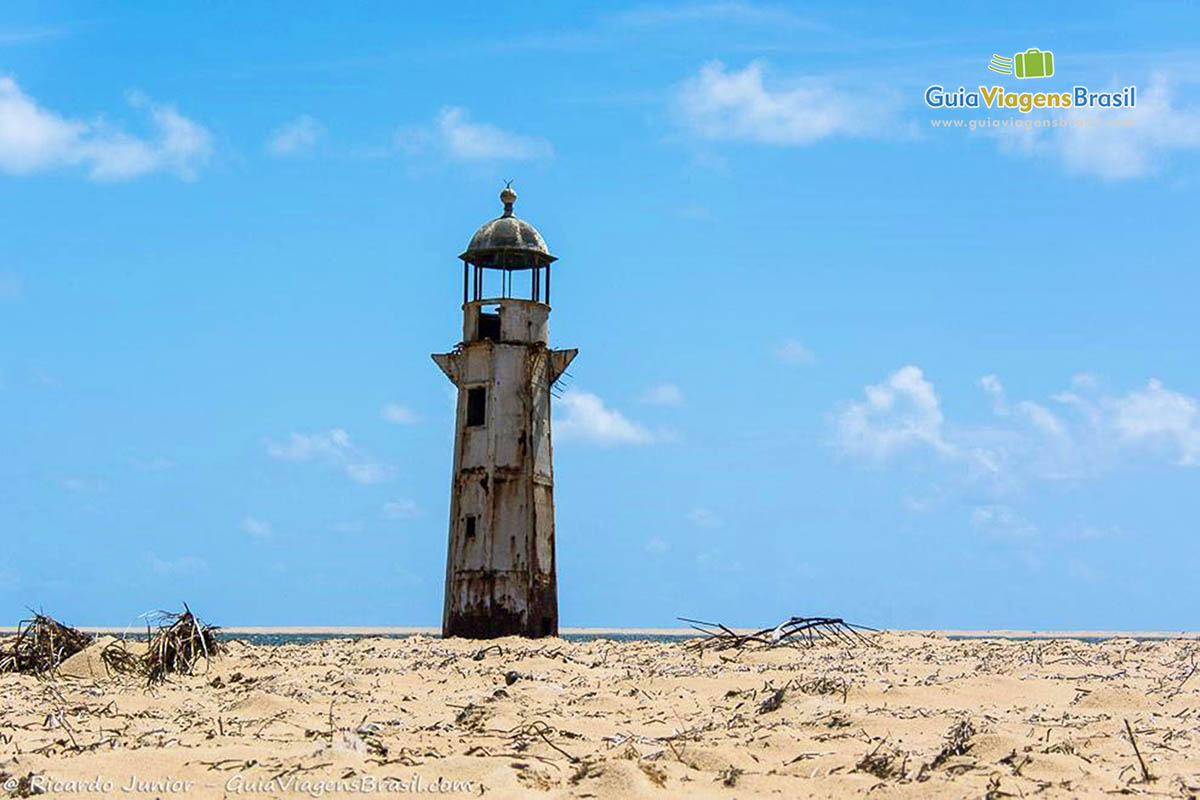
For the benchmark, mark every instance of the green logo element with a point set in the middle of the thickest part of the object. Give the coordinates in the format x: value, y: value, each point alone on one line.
x: 1033, y: 63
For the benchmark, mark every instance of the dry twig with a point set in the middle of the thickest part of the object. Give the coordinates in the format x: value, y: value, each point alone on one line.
x: 795, y: 632
x: 42, y: 644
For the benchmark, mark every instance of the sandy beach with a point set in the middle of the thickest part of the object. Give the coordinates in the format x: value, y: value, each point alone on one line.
x: 918, y: 716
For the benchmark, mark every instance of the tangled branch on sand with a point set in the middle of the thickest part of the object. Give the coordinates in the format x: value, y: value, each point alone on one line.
x: 42, y: 643
x: 119, y: 661
x: 179, y: 643
x: 794, y: 632
x: 957, y: 742
x: 885, y: 763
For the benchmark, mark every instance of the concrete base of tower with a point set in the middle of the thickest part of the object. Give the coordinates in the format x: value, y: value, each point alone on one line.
x: 487, y: 619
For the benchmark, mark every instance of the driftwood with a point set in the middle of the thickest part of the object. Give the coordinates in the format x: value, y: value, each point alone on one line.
x: 1146, y: 776
x: 177, y: 645
x: 41, y: 644
x: 793, y: 632
x: 957, y: 742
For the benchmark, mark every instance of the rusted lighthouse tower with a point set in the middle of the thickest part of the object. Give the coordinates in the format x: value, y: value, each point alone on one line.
x: 500, y: 568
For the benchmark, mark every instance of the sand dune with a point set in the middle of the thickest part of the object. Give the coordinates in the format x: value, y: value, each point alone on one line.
x: 921, y: 716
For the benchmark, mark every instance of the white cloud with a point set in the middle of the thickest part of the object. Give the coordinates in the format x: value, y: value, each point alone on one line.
x: 257, y: 528
x: 456, y: 136
x: 1088, y: 433
x: 476, y: 140
x: 400, y: 509
x: 1039, y: 416
x: 720, y: 104
x: 793, y: 351
x: 704, y: 518
x: 1159, y: 418
x: 33, y: 139
x: 1082, y: 433
x: 1160, y: 128
x: 296, y: 138
x: 369, y: 472
x: 1043, y: 419
x: 991, y: 384
x: 585, y: 418
x: 334, y: 448
x: 398, y: 415
x: 664, y: 394
x: 902, y: 412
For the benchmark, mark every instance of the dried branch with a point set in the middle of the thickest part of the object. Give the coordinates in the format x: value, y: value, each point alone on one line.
x: 794, y: 632
x: 42, y: 644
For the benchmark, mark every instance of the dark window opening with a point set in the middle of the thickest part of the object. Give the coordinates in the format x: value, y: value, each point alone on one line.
x: 489, y: 326
x: 470, y: 527
x: 545, y: 626
x: 477, y: 406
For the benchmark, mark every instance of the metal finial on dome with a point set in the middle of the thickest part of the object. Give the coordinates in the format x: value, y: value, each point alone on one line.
x: 508, y: 197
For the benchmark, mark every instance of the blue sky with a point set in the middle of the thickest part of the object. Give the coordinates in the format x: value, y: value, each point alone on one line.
x: 832, y: 360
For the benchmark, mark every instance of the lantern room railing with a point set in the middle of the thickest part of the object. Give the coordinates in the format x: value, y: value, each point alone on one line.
x: 473, y: 280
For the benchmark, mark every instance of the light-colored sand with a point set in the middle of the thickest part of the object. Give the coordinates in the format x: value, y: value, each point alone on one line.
x: 614, y: 720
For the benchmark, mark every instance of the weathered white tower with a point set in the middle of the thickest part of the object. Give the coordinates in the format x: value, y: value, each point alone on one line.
x: 500, y: 568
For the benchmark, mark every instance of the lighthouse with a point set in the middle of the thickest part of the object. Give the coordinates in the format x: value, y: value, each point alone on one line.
x: 500, y: 563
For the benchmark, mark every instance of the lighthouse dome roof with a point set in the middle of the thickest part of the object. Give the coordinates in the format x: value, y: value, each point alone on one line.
x: 507, y: 242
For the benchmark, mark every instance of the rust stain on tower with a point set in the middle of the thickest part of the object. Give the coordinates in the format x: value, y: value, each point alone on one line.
x: 500, y: 568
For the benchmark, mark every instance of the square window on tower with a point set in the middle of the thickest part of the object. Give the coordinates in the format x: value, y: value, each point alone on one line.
x: 477, y: 406
x: 489, y: 325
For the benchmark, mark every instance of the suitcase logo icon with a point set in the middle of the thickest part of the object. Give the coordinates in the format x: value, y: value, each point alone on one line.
x: 1033, y: 63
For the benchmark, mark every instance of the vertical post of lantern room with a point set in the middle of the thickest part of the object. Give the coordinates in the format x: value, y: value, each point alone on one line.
x: 501, y: 577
